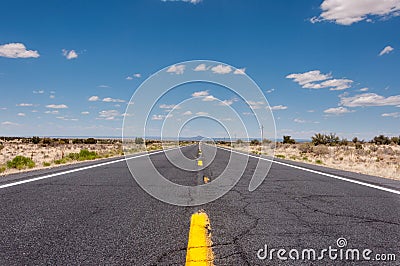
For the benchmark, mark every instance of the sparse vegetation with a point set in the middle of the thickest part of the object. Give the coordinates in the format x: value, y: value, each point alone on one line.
x: 254, y: 142
x: 46, y: 164
x: 139, y: 141
x: 281, y: 156
x: 83, y: 155
x: 288, y: 140
x: 20, y: 162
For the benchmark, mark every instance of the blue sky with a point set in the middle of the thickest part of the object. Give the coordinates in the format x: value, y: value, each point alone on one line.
x: 324, y: 66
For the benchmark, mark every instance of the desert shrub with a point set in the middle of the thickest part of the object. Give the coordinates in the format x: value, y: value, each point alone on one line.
x: 239, y: 141
x: 77, y: 141
x: 2, y: 168
x: 395, y: 140
x: 35, y: 140
x: 83, y: 155
x: 280, y: 156
x: 355, y: 140
x: 343, y: 142
x: 293, y: 157
x: 46, y: 164
x: 1, y: 146
x: 139, y: 141
x: 381, y: 140
x: 318, y: 162
x: 305, y: 148
x: 61, y: 161
x: 359, y: 146
x: 90, y: 141
x: 288, y: 140
x: 20, y: 162
x: 267, y: 141
x: 47, y: 141
x: 254, y: 142
x: 321, y: 150
x: 319, y: 139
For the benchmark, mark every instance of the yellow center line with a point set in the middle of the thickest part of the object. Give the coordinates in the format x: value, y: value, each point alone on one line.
x: 200, y: 163
x: 199, y: 251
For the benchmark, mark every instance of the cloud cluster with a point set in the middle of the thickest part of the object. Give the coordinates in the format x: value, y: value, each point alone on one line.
x: 369, y: 99
x: 107, y: 99
x: 57, y: 106
x: 337, y: 111
x: 346, y: 12
x: 17, y: 50
x: 316, y: 80
x: 69, y: 54
x: 176, y: 69
x: 386, y: 50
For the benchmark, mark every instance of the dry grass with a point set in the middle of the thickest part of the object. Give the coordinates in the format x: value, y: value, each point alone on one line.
x: 370, y: 159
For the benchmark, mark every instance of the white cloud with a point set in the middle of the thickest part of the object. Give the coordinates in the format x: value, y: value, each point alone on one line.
x: 24, y: 104
x: 8, y: 123
x: 104, y: 86
x: 386, y: 50
x: 137, y: 75
x: 187, y: 1
x: 200, y: 93
x: 394, y: 115
x: 176, y: 69
x: 129, y: 78
x: 201, y: 113
x: 345, y: 12
x: 337, y: 111
x: 111, y: 100
x: 21, y: 114
x: 161, y: 117
x: 308, y: 77
x: 187, y: 113
x: 316, y: 80
x: 52, y: 96
x: 55, y: 112
x: 364, y: 89
x: 169, y: 106
x: 66, y: 118
x: 34, y: 111
x: 17, y: 50
x: 278, y: 107
x: 298, y: 120
x: 369, y: 99
x: 93, y: 99
x: 221, y: 69
x: 240, y: 71
x: 85, y: 113
x: 69, y: 54
x: 255, y: 104
x: 38, y: 92
x: 201, y: 67
x: 209, y: 98
x: 57, y: 106
x: 227, y: 102
x: 333, y: 84
x: 270, y: 91
x: 109, y: 114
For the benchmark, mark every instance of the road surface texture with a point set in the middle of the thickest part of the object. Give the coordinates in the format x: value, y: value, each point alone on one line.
x: 101, y: 216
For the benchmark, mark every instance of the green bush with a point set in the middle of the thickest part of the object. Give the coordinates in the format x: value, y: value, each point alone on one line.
x: 83, y: 155
x: 46, y: 164
x: 35, y: 140
x: 2, y: 168
x: 254, y: 142
x: 280, y: 156
x: 288, y: 140
x: 318, y: 162
x: 21, y: 162
x: 90, y: 141
x: 139, y: 141
x: 61, y: 161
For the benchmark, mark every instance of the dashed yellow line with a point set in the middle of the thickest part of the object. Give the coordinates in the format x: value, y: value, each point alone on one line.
x: 200, y: 163
x: 199, y: 251
x: 206, y: 180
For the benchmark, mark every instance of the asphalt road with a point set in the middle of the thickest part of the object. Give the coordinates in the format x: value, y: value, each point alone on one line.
x: 100, y: 216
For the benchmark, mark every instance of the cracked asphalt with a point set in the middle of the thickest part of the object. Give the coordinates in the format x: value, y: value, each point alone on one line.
x: 101, y: 216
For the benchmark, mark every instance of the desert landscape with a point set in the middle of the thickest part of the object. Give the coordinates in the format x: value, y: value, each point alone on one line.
x: 378, y: 157
x: 26, y: 154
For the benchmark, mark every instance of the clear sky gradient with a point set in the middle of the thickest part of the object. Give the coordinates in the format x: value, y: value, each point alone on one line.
x: 69, y: 68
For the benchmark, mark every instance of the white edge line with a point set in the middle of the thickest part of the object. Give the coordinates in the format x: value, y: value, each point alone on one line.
x: 320, y: 173
x: 81, y: 169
